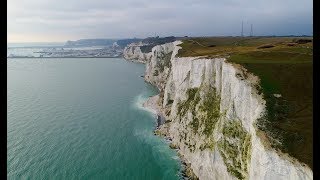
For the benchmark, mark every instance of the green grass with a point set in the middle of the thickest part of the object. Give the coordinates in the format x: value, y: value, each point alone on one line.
x: 236, y: 45
x: 289, y: 118
x: 285, y: 70
x: 267, y: 57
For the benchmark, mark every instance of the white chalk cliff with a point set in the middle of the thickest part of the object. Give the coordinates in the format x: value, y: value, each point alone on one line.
x: 211, y: 107
x: 133, y: 52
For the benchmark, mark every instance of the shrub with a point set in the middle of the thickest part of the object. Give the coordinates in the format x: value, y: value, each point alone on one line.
x: 265, y: 46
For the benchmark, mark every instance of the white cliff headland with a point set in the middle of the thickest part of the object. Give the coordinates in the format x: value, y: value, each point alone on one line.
x: 211, y: 108
x: 134, y: 53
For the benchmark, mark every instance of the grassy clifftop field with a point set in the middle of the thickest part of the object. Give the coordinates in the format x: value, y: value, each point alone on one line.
x: 284, y: 65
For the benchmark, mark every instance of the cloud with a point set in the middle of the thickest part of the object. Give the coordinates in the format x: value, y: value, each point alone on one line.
x: 74, y: 19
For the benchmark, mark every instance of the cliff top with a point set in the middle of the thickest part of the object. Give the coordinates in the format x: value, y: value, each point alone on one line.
x: 284, y: 66
x: 212, y: 46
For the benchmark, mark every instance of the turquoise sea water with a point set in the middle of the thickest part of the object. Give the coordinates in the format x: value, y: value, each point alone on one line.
x: 82, y: 119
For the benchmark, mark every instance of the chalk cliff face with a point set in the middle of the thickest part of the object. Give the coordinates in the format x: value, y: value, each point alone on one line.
x: 159, y: 65
x: 211, y: 107
x: 134, y: 53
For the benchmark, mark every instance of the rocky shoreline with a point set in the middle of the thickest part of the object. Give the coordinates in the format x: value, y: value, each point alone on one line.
x: 152, y: 105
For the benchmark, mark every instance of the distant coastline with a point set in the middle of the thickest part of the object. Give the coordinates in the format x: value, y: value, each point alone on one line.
x: 26, y: 57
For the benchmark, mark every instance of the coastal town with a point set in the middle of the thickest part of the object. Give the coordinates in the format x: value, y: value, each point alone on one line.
x: 109, y: 51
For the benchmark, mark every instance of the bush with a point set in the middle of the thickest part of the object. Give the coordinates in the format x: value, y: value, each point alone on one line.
x: 302, y: 41
x: 265, y: 46
x: 156, y: 73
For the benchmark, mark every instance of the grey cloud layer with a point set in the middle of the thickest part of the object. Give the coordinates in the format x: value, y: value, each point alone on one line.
x: 140, y: 18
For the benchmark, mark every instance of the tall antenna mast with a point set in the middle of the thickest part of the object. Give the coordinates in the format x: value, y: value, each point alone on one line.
x: 242, y: 29
x: 251, y: 31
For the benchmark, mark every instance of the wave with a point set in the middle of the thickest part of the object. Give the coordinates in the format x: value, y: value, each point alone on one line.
x: 138, y: 103
x: 161, y: 151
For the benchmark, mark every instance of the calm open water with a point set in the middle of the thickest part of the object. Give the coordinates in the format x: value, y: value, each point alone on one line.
x: 82, y: 119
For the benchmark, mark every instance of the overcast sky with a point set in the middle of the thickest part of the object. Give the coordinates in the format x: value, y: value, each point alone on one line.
x: 61, y: 20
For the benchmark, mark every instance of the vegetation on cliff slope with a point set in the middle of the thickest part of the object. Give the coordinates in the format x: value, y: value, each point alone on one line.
x: 284, y: 66
x: 235, y: 144
x: 205, y: 113
x: 235, y: 148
